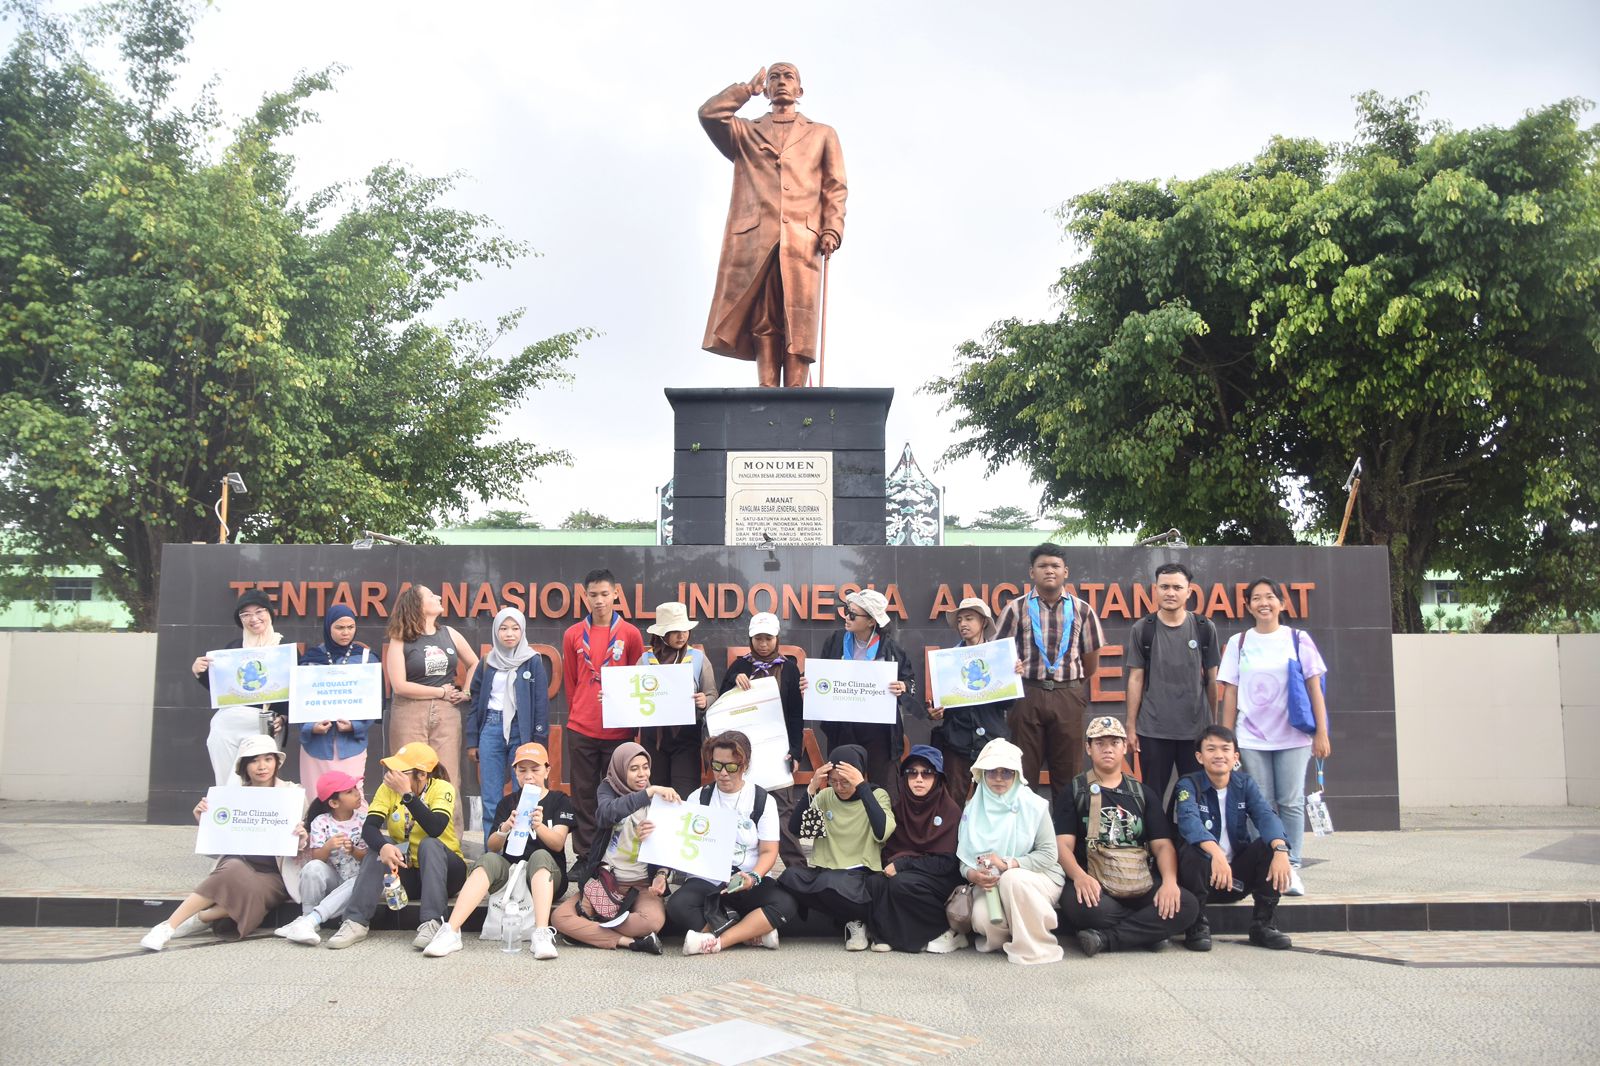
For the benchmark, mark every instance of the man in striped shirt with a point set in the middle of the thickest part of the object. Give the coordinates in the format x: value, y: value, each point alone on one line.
x: 1052, y: 714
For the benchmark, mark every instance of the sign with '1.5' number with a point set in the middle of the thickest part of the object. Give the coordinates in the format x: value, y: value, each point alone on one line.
x: 634, y: 696
x: 690, y: 838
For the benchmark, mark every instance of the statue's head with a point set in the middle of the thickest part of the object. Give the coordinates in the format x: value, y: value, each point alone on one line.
x: 783, y: 83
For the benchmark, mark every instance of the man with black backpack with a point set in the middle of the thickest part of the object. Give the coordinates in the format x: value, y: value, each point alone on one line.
x: 1110, y: 830
x: 1172, y: 682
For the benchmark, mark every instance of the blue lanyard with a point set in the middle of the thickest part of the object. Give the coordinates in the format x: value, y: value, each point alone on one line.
x: 850, y: 646
x: 1051, y: 665
x: 1321, y: 785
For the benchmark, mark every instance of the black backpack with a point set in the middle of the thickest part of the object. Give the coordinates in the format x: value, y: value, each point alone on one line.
x: 1144, y: 635
x: 756, y: 809
x: 1080, y: 796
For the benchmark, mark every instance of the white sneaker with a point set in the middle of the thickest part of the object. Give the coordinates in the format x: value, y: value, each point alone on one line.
x: 303, y: 930
x: 855, y: 936
x: 945, y: 943
x: 878, y: 945
x: 425, y: 933
x: 1297, y: 887
x: 544, y: 942
x: 157, y: 937
x: 769, y: 940
x: 443, y: 943
x: 696, y: 943
x: 350, y: 932
x: 190, y: 926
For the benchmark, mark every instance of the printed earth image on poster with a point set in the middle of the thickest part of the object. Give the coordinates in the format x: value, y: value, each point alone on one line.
x: 975, y: 674
x: 251, y: 676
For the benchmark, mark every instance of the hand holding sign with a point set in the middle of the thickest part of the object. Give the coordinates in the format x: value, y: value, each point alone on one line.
x: 690, y: 838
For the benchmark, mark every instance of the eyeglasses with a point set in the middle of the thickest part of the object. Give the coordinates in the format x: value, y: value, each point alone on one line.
x: 725, y: 767
x: 1001, y: 772
x: 918, y: 771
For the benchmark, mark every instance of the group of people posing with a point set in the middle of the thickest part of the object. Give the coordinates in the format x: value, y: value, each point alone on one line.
x: 955, y: 840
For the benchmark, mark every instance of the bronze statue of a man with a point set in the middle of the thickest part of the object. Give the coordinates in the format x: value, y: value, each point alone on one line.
x: 786, y: 215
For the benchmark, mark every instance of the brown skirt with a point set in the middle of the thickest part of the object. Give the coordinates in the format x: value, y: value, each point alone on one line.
x: 246, y: 891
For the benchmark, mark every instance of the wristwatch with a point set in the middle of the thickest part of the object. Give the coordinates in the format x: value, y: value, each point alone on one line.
x: 407, y: 798
x: 1282, y: 848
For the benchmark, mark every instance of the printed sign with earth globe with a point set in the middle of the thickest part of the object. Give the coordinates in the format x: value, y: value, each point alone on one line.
x: 974, y: 674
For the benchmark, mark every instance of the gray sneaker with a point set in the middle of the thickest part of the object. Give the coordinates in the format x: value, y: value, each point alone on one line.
x: 425, y: 933
x: 349, y: 933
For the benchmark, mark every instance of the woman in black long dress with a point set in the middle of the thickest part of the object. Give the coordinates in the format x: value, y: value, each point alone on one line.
x: 920, y: 866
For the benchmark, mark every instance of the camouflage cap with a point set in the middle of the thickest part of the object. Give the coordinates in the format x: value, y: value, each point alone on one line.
x: 1105, y: 726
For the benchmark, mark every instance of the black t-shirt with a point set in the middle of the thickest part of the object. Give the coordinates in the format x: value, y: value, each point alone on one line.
x: 1129, y: 815
x: 558, y: 810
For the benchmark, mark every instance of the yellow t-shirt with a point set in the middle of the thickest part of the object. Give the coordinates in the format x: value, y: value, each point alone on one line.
x: 403, y: 828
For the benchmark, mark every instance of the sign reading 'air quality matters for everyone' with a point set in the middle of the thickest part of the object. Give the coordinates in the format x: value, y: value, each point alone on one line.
x: 345, y: 692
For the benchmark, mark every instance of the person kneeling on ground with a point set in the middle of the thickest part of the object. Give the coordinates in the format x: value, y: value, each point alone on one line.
x: 856, y: 820
x: 1108, y: 828
x: 1215, y: 809
x: 543, y: 848
x: 410, y: 833
x: 1005, y: 843
x: 243, y: 888
x: 333, y: 859
x: 623, y: 802
x: 750, y: 906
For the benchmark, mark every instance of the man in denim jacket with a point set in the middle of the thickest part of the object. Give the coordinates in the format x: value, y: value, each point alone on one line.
x: 1218, y: 860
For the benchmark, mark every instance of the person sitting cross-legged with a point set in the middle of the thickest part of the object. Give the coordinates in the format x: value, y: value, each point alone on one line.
x: 1218, y: 861
x: 1109, y: 827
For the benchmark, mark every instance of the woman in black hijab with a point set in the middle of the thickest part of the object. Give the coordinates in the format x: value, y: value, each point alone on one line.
x: 920, y: 866
x: 855, y: 819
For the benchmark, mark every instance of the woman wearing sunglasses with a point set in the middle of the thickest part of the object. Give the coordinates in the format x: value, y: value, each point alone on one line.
x: 865, y: 637
x: 919, y: 862
x: 1007, y: 842
x: 750, y: 906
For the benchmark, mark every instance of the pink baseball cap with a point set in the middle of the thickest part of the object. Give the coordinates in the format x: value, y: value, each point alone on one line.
x: 334, y: 782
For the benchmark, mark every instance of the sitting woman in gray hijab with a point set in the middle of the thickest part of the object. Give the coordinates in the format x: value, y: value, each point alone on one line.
x: 855, y: 819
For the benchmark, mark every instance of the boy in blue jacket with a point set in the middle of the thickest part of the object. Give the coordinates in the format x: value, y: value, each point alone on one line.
x: 1217, y: 860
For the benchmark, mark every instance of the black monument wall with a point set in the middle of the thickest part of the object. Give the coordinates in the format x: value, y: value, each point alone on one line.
x: 1339, y: 595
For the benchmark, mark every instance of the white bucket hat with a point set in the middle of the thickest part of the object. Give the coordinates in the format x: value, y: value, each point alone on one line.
x: 671, y: 618
x: 872, y: 602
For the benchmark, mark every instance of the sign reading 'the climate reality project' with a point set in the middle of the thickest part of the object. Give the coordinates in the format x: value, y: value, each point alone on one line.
x: 779, y: 498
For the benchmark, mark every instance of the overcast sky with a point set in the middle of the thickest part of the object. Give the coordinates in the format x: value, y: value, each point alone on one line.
x: 963, y: 126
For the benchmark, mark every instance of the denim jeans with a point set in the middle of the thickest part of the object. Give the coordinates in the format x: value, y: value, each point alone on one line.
x: 494, y: 768
x: 1282, y: 778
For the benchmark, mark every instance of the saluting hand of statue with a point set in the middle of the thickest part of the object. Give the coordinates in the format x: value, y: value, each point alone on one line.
x: 758, y: 84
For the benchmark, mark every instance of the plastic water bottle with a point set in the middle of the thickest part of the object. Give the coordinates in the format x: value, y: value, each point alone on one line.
x: 394, y: 892
x: 511, y: 927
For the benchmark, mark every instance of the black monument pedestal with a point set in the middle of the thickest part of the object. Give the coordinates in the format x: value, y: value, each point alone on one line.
x: 845, y: 424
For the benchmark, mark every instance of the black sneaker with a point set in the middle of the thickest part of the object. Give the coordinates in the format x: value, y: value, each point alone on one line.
x: 1265, y: 936
x: 1156, y: 946
x: 650, y: 945
x: 1092, y: 942
x: 1198, y: 938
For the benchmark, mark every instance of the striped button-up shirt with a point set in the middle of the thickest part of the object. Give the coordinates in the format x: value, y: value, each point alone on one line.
x: 1086, y: 636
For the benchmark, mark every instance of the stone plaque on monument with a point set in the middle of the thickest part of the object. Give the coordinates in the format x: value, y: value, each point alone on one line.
x: 780, y: 498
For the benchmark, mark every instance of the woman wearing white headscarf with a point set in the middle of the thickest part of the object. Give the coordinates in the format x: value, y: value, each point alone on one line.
x: 1007, y: 842
x: 510, y: 694
x: 230, y: 726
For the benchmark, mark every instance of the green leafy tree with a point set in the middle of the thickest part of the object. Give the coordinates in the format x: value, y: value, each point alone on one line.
x: 502, y: 519
x: 1425, y: 298
x: 1004, y: 517
x: 170, y: 312
x: 583, y: 518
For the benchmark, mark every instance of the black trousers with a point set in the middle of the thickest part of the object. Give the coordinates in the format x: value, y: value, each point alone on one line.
x: 1157, y: 758
x: 587, y: 758
x: 674, y: 752
x: 690, y: 904
x: 1250, y: 865
x: 1129, y: 923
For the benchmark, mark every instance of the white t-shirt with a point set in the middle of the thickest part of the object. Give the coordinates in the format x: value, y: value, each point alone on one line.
x: 1223, y: 840
x: 748, y: 835
x: 1262, y: 677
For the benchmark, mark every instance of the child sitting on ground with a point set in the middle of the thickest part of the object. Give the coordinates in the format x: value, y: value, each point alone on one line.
x: 329, y: 875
